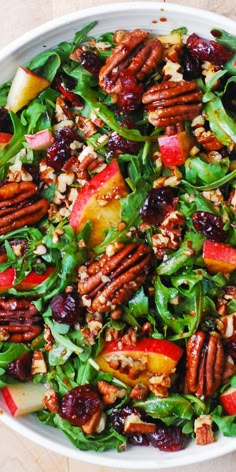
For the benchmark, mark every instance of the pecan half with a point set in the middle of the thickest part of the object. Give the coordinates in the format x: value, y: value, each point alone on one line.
x: 205, y: 363
x: 19, y: 320
x: 172, y: 102
x: 133, y: 54
x: 19, y: 206
x: 110, y: 281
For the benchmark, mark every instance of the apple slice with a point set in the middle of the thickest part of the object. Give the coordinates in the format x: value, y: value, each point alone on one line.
x: 25, y: 86
x: 24, y: 398
x: 7, y: 278
x: 99, y: 202
x: 228, y: 400
x: 175, y: 149
x: 4, y: 139
x: 219, y: 257
x: 135, y: 364
x: 40, y: 140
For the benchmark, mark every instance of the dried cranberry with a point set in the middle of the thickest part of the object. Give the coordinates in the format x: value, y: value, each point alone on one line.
x: 158, y: 204
x: 20, y: 369
x: 190, y: 64
x: 131, y: 93
x: 119, y: 145
x: 117, y: 421
x: 5, y: 121
x: 167, y: 438
x: 80, y: 404
x: 66, y: 308
x: 209, y: 225
x: 91, y: 62
x: 33, y: 171
x: 59, y: 152
x: 208, y: 50
x: 230, y: 346
x: 66, y: 135
x: 65, y: 88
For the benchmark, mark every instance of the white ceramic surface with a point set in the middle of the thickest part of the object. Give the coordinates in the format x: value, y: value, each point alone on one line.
x: 147, y: 16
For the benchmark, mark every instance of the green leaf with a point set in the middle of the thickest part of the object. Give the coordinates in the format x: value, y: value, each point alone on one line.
x: 138, y: 305
x: 223, y: 37
x: 10, y: 352
x: 200, y: 172
x: 226, y: 424
x: 222, y: 125
x: 175, y: 406
x: 182, y: 258
x: 82, y: 35
x: 15, y: 144
x: 46, y: 64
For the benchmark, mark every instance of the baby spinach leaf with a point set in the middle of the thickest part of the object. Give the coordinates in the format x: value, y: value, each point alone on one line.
x: 46, y: 64
x: 223, y: 37
x: 15, y: 144
x: 226, y: 424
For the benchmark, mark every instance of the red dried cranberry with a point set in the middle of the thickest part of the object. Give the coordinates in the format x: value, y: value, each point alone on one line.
x: 117, y: 420
x: 91, y: 62
x: 80, y: 404
x: 209, y: 225
x: 33, y: 171
x: 66, y: 135
x: 158, y: 204
x: 190, y: 64
x: 65, y: 88
x: 119, y: 145
x: 208, y: 50
x: 57, y: 154
x: 167, y: 438
x: 230, y: 346
x: 131, y: 93
x: 5, y: 121
x: 66, y: 308
x: 20, y: 369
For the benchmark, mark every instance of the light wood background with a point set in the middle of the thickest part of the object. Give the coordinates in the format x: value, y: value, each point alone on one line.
x: 16, y: 453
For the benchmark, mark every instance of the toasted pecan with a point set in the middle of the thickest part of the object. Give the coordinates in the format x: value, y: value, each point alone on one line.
x: 134, y: 54
x: 110, y: 281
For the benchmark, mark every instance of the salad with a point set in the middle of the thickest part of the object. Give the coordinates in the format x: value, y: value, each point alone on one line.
x: 118, y: 239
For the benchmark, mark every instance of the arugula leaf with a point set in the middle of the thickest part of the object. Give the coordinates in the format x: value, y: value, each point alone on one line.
x: 222, y: 125
x: 15, y: 144
x: 198, y: 171
x: 46, y: 64
x: 224, y: 38
x: 175, y: 406
x: 182, y: 258
x: 226, y: 424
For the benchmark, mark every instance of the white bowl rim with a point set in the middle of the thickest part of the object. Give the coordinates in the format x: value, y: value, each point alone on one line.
x: 212, y: 451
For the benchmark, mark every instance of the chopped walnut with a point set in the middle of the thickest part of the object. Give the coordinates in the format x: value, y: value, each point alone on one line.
x: 159, y: 384
x: 215, y: 196
x: 169, y: 235
x: 51, y: 400
x: 38, y: 363
x: 139, y: 392
x: 203, y: 430
x: 125, y: 364
x: 134, y: 424
x: 110, y: 393
x: 48, y: 338
x: 171, y: 71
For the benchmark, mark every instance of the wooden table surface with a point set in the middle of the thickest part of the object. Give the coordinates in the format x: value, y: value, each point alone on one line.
x: 16, y: 453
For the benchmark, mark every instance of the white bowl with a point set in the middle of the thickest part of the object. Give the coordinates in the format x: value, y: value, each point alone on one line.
x: 133, y: 15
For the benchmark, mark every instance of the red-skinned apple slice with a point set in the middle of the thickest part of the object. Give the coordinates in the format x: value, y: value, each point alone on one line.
x: 32, y: 280
x: 160, y: 356
x: 175, y: 149
x: 99, y: 202
x: 25, y: 86
x: 40, y: 140
x: 24, y: 398
x: 219, y: 257
x: 4, y: 139
x: 228, y: 400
